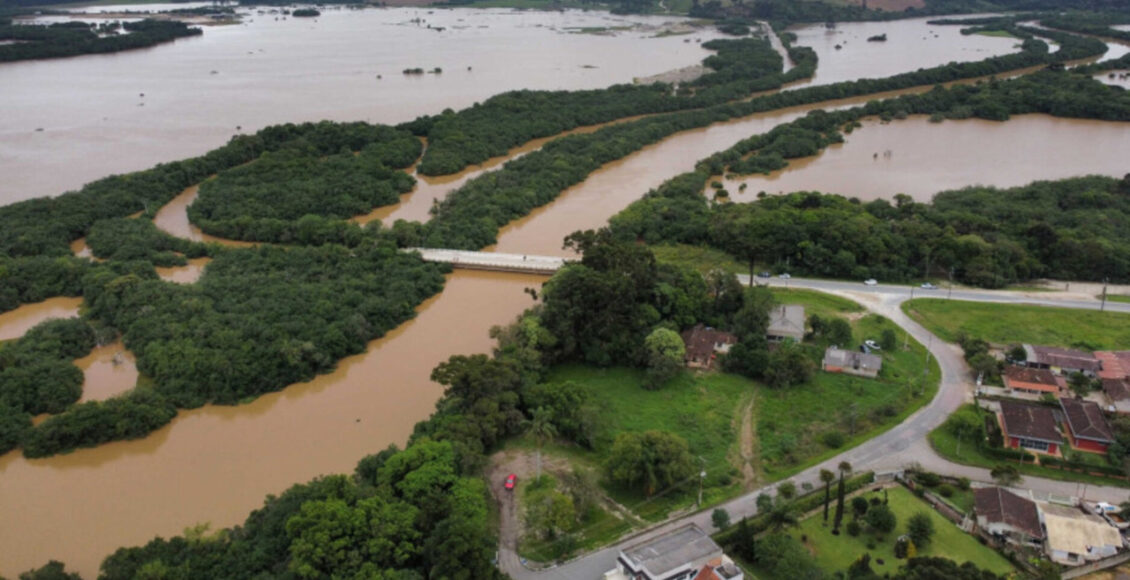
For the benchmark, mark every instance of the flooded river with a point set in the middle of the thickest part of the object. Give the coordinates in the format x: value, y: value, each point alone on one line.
x: 975, y: 152
x: 200, y: 91
x: 216, y: 463
x: 14, y: 323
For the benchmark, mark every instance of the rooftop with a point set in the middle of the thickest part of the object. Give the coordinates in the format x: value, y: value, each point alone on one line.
x: 1117, y: 389
x: 679, y: 547
x: 1054, y: 356
x: 701, y: 340
x: 1070, y: 530
x: 1029, y: 421
x: 1032, y: 379
x: 787, y: 320
x: 1086, y: 420
x: 838, y: 357
x: 1000, y: 505
x: 1116, y: 364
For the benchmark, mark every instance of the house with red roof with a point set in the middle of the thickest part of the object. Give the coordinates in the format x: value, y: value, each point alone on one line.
x: 1035, y: 381
x: 1030, y: 427
x: 1087, y: 428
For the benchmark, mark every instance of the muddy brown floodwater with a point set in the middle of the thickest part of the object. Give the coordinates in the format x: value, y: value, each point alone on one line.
x: 14, y: 323
x: 108, y: 370
x: 920, y: 158
x: 200, y: 91
x: 217, y: 463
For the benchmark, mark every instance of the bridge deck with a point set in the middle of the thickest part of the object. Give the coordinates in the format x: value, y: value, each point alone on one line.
x: 527, y: 264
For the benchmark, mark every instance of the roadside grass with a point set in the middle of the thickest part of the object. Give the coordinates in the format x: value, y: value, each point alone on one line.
x: 1116, y: 298
x: 836, y: 553
x: 946, y: 445
x: 962, y: 500
x: 815, y: 302
x: 1022, y: 323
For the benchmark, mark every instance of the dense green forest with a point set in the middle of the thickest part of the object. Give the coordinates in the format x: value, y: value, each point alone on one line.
x: 265, y: 200
x: 127, y: 239
x: 75, y: 38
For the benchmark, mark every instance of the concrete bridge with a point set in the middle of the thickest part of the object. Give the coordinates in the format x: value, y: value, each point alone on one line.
x: 518, y: 263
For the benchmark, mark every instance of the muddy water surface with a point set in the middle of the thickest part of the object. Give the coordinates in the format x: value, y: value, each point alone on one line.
x: 911, y: 44
x: 920, y: 158
x: 14, y: 323
x: 109, y: 370
x: 200, y: 91
x: 215, y: 464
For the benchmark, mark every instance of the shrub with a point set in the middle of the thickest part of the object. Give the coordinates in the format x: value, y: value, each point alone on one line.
x: 853, y: 528
x: 929, y: 479
x: 833, y: 439
x: 945, y: 490
x: 963, y: 483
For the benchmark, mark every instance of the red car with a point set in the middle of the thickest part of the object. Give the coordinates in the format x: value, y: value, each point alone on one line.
x: 510, y: 481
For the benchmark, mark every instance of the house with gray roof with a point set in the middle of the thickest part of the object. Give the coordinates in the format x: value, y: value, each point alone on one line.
x: 838, y: 360
x: 786, y: 322
x: 1062, y: 361
x: 685, y: 553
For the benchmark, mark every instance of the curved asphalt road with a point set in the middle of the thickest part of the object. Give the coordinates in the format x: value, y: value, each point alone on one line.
x: 899, y: 447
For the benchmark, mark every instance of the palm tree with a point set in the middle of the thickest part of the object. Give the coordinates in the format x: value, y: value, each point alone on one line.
x: 827, y: 477
x: 845, y: 468
x: 541, y: 427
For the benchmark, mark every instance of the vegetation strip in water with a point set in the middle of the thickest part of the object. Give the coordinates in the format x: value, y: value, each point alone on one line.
x: 470, y: 216
x: 1072, y: 229
x: 75, y: 38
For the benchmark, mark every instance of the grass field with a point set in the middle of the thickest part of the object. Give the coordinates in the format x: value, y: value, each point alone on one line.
x: 1117, y: 298
x: 700, y: 258
x: 1017, y: 323
x: 836, y: 553
x: 814, y: 302
x: 968, y: 453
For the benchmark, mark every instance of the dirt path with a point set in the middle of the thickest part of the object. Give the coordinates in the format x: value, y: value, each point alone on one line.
x: 747, y: 451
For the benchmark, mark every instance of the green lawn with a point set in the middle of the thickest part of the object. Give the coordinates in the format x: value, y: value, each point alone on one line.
x: 947, y: 446
x: 1015, y: 323
x: 836, y: 553
x: 815, y: 302
x: 1117, y: 298
x: 699, y: 408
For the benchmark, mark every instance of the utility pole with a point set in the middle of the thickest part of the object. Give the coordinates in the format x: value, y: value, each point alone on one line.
x: 1103, y: 307
x: 701, y: 480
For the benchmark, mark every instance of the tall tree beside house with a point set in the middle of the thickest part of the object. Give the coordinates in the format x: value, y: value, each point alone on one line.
x: 1006, y: 475
x: 750, y: 356
x: 1080, y: 384
x: 542, y: 428
x: 827, y: 477
x: 845, y: 469
x: 665, y: 354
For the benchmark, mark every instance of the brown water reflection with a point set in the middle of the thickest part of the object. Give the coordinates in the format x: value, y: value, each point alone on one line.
x: 173, y: 218
x: 184, y: 274
x: 14, y: 323
x: 217, y: 463
x: 109, y: 370
x: 926, y: 158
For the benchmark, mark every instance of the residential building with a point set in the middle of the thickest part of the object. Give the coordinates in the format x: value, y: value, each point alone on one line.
x: 1008, y: 516
x: 703, y: 344
x: 685, y: 553
x: 1035, y: 381
x: 838, y: 360
x: 1118, y: 394
x: 1030, y: 427
x: 1115, y: 364
x: 786, y: 322
x: 1075, y: 537
x: 1086, y: 426
x: 1062, y: 361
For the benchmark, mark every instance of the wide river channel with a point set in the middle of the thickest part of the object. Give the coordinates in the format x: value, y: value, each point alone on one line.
x: 215, y: 464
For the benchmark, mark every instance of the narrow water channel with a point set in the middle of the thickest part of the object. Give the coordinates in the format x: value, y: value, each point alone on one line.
x: 14, y: 323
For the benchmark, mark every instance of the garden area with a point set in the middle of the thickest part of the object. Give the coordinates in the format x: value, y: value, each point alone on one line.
x: 877, y: 534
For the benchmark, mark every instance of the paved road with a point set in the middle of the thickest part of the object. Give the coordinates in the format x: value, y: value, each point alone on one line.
x: 900, y: 447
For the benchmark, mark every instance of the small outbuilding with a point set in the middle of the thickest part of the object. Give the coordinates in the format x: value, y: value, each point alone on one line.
x: 838, y: 360
x: 681, y: 554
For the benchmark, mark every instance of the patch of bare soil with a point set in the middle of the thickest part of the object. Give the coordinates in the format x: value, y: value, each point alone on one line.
x: 746, y: 457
